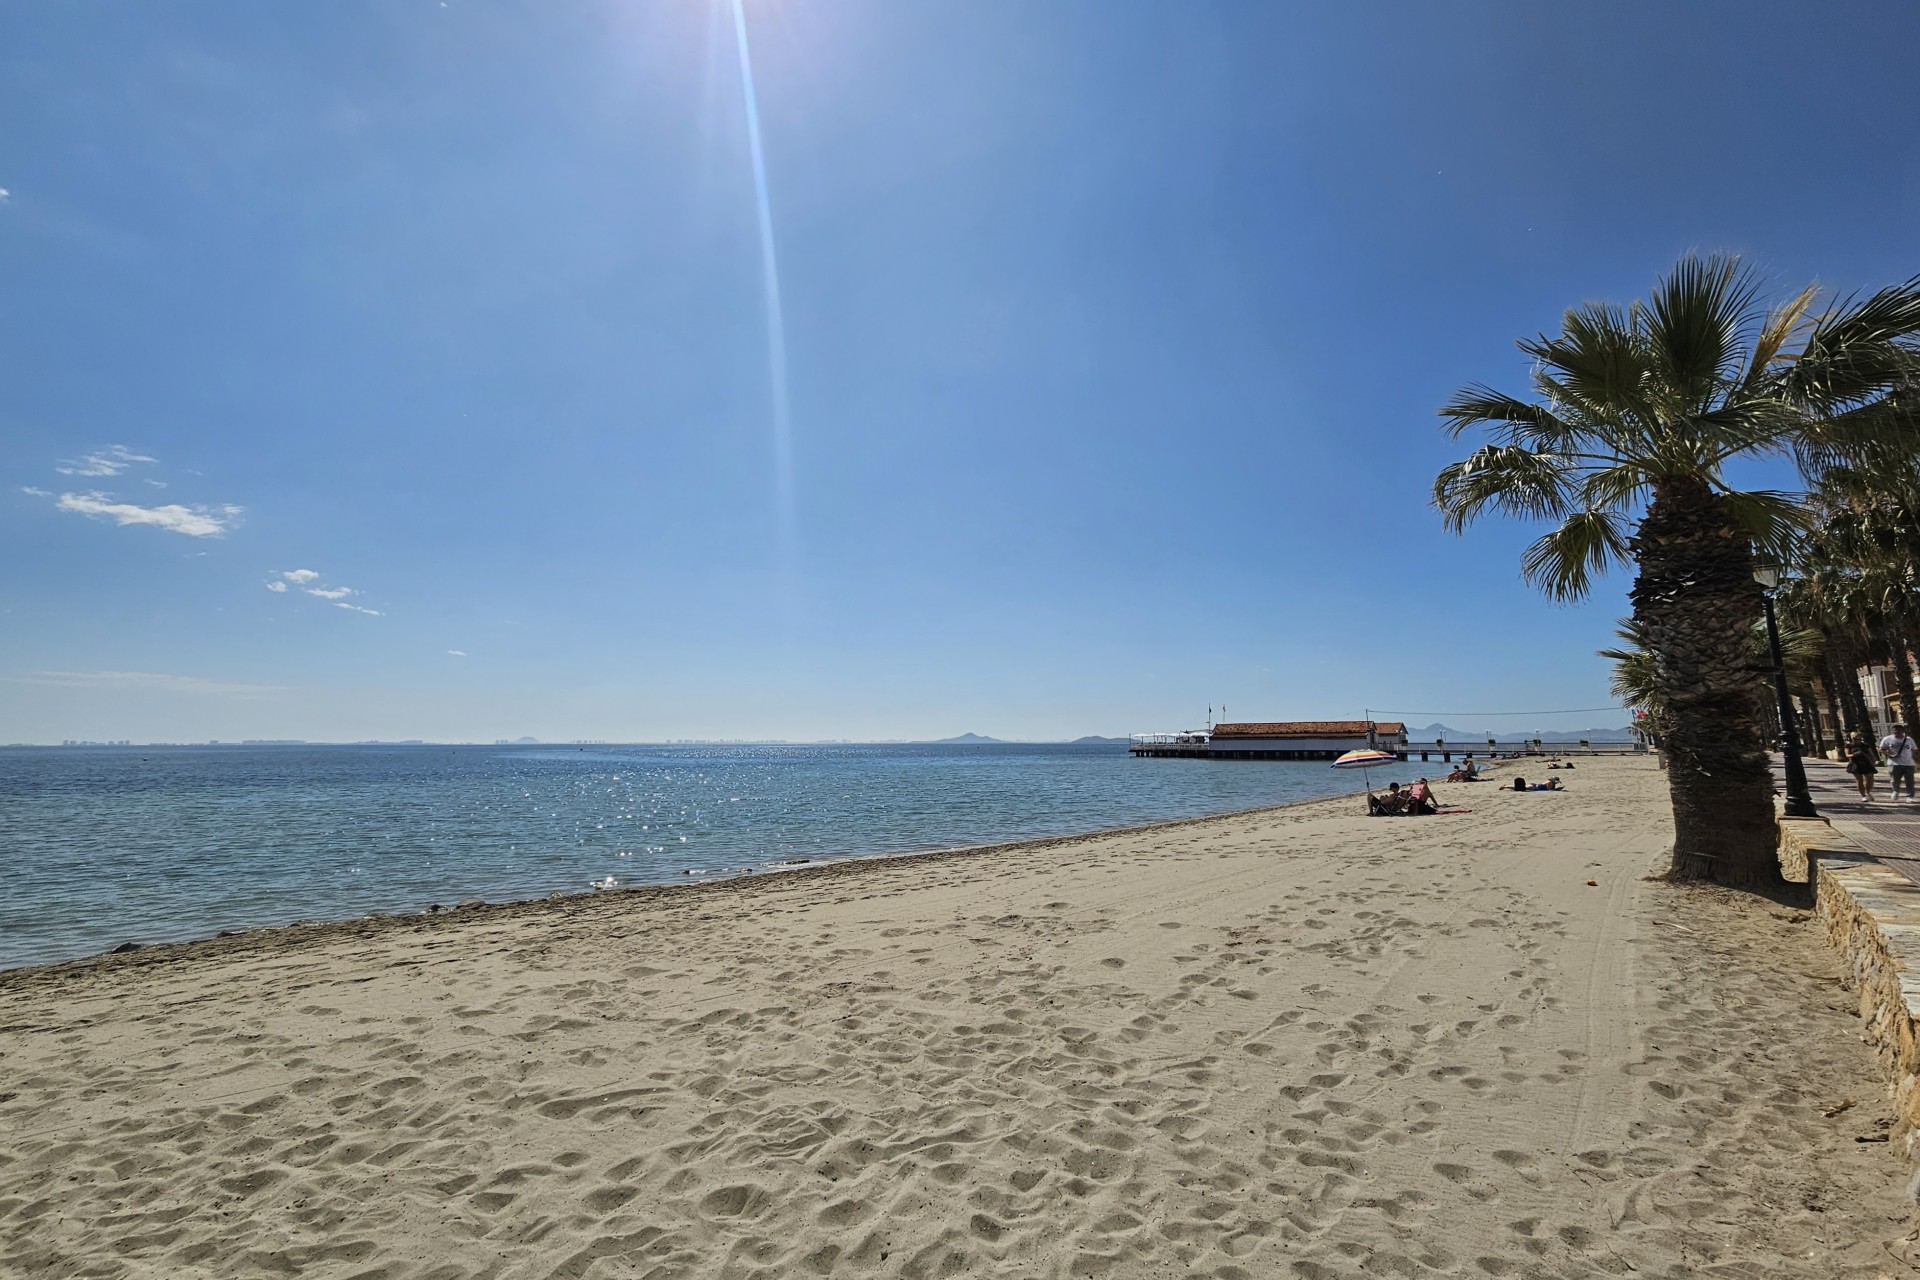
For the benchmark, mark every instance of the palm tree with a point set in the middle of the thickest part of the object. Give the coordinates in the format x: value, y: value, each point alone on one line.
x: 1870, y: 530
x: 1635, y: 685
x: 1638, y: 412
x: 1632, y: 682
x: 1824, y: 598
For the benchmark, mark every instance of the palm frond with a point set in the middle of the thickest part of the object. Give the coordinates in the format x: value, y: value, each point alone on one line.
x: 1858, y: 350
x: 1755, y: 423
x: 1633, y: 681
x: 1564, y: 563
x: 1882, y: 434
x: 1597, y: 363
x: 1620, y: 487
x: 1504, y: 478
x: 1522, y: 423
x: 1800, y: 652
x: 1693, y: 325
x: 1778, y: 329
x: 1774, y: 521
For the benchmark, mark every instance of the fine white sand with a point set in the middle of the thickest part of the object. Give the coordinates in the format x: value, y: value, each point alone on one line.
x: 1294, y: 1043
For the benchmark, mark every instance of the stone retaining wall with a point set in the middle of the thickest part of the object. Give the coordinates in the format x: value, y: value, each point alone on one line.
x: 1872, y: 917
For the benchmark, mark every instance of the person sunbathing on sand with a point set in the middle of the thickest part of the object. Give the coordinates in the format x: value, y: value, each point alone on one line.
x: 1420, y: 798
x: 1389, y: 805
x: 1551, y: 784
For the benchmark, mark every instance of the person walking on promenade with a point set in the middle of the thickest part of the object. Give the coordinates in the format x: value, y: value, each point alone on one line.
x: 1862, y: 764
x: 1897, y: 747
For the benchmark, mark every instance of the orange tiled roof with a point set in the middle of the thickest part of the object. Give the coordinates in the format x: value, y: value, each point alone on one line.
x: 1293, y: 729
x: 1392, y: 728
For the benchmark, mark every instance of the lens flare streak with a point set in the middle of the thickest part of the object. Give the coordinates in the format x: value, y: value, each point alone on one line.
x: 776, y: 318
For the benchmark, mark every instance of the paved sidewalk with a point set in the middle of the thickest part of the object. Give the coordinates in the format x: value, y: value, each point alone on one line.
x: 1887, y: 828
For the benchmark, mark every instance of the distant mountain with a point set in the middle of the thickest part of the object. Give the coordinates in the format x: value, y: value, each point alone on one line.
x: 1622, y: 733
x: 1095, y: 740
x: 963, y: 739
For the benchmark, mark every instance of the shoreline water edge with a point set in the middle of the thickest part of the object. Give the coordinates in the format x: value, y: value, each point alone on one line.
x: 149, y: 847
x: 135, y: 954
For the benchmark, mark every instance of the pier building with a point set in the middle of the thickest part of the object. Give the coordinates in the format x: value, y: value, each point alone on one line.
x: 1275, y: 740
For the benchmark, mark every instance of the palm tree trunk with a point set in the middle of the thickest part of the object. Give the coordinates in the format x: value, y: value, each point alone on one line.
x: 1903, y: 676
x: 1814, y: 734
x: 1859, y: 716
x: 1696, y: 596
x: 1837, y: 693
x: 1830, y: 690
x: 1844, y: 690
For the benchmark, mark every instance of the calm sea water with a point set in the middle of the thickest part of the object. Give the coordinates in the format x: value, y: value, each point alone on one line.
x: 108, y: 845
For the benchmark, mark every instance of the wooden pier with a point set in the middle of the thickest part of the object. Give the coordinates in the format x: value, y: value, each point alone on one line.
x: 1184, y: 751
x: 1152, y: 746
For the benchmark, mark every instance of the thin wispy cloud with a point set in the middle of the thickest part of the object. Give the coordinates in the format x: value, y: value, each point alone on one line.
x: 456, y: 653
x: 193, y: 522
x: 142, y: 680
x: 305, y: 579
x: 5, y: 195
x: 110, y: 461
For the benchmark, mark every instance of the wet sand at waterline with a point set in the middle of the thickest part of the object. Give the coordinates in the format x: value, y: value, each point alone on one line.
x: 1292, y: 1043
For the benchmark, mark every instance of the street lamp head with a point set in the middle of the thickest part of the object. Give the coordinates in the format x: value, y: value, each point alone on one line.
x: 1766, y: 573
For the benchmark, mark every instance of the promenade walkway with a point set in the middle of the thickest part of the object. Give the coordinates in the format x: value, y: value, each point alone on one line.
x: 1887, y: 828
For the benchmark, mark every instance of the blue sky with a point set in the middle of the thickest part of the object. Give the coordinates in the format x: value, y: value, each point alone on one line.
x: 1114, y: 335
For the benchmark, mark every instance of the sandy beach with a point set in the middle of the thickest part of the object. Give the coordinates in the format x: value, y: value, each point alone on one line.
x: 1292, y: 1043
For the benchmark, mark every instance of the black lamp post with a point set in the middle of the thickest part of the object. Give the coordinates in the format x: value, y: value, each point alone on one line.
x: 1799, y: 799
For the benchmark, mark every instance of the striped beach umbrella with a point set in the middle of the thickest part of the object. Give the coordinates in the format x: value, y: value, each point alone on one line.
x: 1364, y: 760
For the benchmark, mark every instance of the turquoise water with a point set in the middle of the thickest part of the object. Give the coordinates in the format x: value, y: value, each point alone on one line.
x: 109, y: 845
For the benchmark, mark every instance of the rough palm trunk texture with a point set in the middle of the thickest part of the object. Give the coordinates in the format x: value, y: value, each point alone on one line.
x: 1859, y: 715
x: 1696, y: 596
x: 1823, y: 701
x: 1845, y: 723
x: 1872, y: 916
x: 1813, y: 736
x: 1903, y: 676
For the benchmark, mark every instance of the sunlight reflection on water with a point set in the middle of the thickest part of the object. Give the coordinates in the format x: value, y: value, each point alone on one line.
x: 154, y: 844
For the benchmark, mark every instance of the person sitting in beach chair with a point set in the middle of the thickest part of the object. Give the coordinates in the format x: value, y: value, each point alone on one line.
x: 1390, y: 805
x: 1420, y: 798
